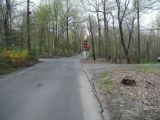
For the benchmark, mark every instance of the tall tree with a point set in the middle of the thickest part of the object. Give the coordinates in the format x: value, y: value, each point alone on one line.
x: 138, y: 25
x: 121, y: 14
x: 95, y: 6
x: 137, y: 6
x: 92, y: 38
x: 106, y: 31
x: 28, y: 25
x: 6, y: 23
x: 67, y: 24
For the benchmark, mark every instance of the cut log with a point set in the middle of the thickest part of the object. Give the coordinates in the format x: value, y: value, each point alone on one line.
x: 128, y: 81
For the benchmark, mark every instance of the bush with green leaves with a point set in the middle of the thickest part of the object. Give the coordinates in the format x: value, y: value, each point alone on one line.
x: 15, y: 58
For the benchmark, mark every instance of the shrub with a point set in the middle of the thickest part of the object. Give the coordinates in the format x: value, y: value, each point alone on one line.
x: 15, y: 57
x: 33, y: 55
x: 5, y: 68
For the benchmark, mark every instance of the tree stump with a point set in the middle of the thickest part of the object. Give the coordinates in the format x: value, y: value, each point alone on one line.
x: 128, y: 81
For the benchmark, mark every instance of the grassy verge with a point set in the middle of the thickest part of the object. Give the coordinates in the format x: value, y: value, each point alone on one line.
x: 146, y: 69
x: 105, y: 83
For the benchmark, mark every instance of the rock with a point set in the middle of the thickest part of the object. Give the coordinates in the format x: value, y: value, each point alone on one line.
x: 128, y: 81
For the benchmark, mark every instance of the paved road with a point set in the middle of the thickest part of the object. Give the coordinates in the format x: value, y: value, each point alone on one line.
x: 52, y: 90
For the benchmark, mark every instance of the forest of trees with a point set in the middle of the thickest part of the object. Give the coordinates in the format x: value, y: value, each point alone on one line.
x: 59, y: 27
x: 53, y: 28
x: 118, y: 33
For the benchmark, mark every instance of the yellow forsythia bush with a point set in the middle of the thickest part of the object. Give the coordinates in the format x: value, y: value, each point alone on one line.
x: 16, y: 58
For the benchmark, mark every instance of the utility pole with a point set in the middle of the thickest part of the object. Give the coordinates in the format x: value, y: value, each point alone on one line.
x: 28, y: 25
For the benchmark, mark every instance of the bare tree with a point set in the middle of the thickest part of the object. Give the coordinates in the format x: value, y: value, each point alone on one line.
x: 95, y: 7
x: 92, y: 37
x: 136, y: 4
x: 1, y: 18
x: 28, y: 25
x: 142, y: 6
x: 67, y: 24
x: 6, y: 23
x: 121, y: 14
x: 106, y: 30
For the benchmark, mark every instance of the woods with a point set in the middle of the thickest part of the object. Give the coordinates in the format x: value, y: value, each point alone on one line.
x: 52, y: 28
x: 122, y: 36
x: 59, y: 27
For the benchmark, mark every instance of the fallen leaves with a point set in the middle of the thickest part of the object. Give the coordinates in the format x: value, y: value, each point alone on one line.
x: 147, y: 90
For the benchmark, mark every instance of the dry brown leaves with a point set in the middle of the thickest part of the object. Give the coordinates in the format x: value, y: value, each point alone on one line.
x: 147, y: 89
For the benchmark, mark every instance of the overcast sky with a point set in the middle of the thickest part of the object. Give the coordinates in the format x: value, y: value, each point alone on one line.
x: 36, y: 1
x: 148, y: 19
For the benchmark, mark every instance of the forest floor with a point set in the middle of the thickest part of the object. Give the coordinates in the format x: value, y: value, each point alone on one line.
x: 139, y: 102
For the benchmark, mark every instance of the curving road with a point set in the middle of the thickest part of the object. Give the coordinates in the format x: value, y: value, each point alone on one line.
x: 55, y: 89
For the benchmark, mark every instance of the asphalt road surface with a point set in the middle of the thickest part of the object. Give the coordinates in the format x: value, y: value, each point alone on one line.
x: 55, y: 89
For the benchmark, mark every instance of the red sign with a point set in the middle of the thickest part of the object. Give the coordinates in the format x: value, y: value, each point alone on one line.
x: 86, y: 46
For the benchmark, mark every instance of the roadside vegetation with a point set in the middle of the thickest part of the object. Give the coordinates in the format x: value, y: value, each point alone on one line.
x: 28, y: 30
x: 148, y: 68
x: 140, y: 101
x: 54, y: 28
x: 117, y: 32
x: 13, y: 59
x: 106, y: 84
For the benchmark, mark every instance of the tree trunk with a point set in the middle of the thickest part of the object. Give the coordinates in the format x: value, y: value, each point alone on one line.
x: 138, y: 25
x: 56, y: 27
x: 91, y: 31
x: 28, y: 25
x: 115, y: 40
x: 6, y: 24
x: 123, y: 44
x: 106, y: 36
x: 99, y: 34
x: 68, y: 27
x: 41, y: 40
x: 105, y: 28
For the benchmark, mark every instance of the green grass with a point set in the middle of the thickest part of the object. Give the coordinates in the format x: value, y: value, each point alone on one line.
x: 146, y: 61
x: 104, y: 74
x: 106, y: 84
